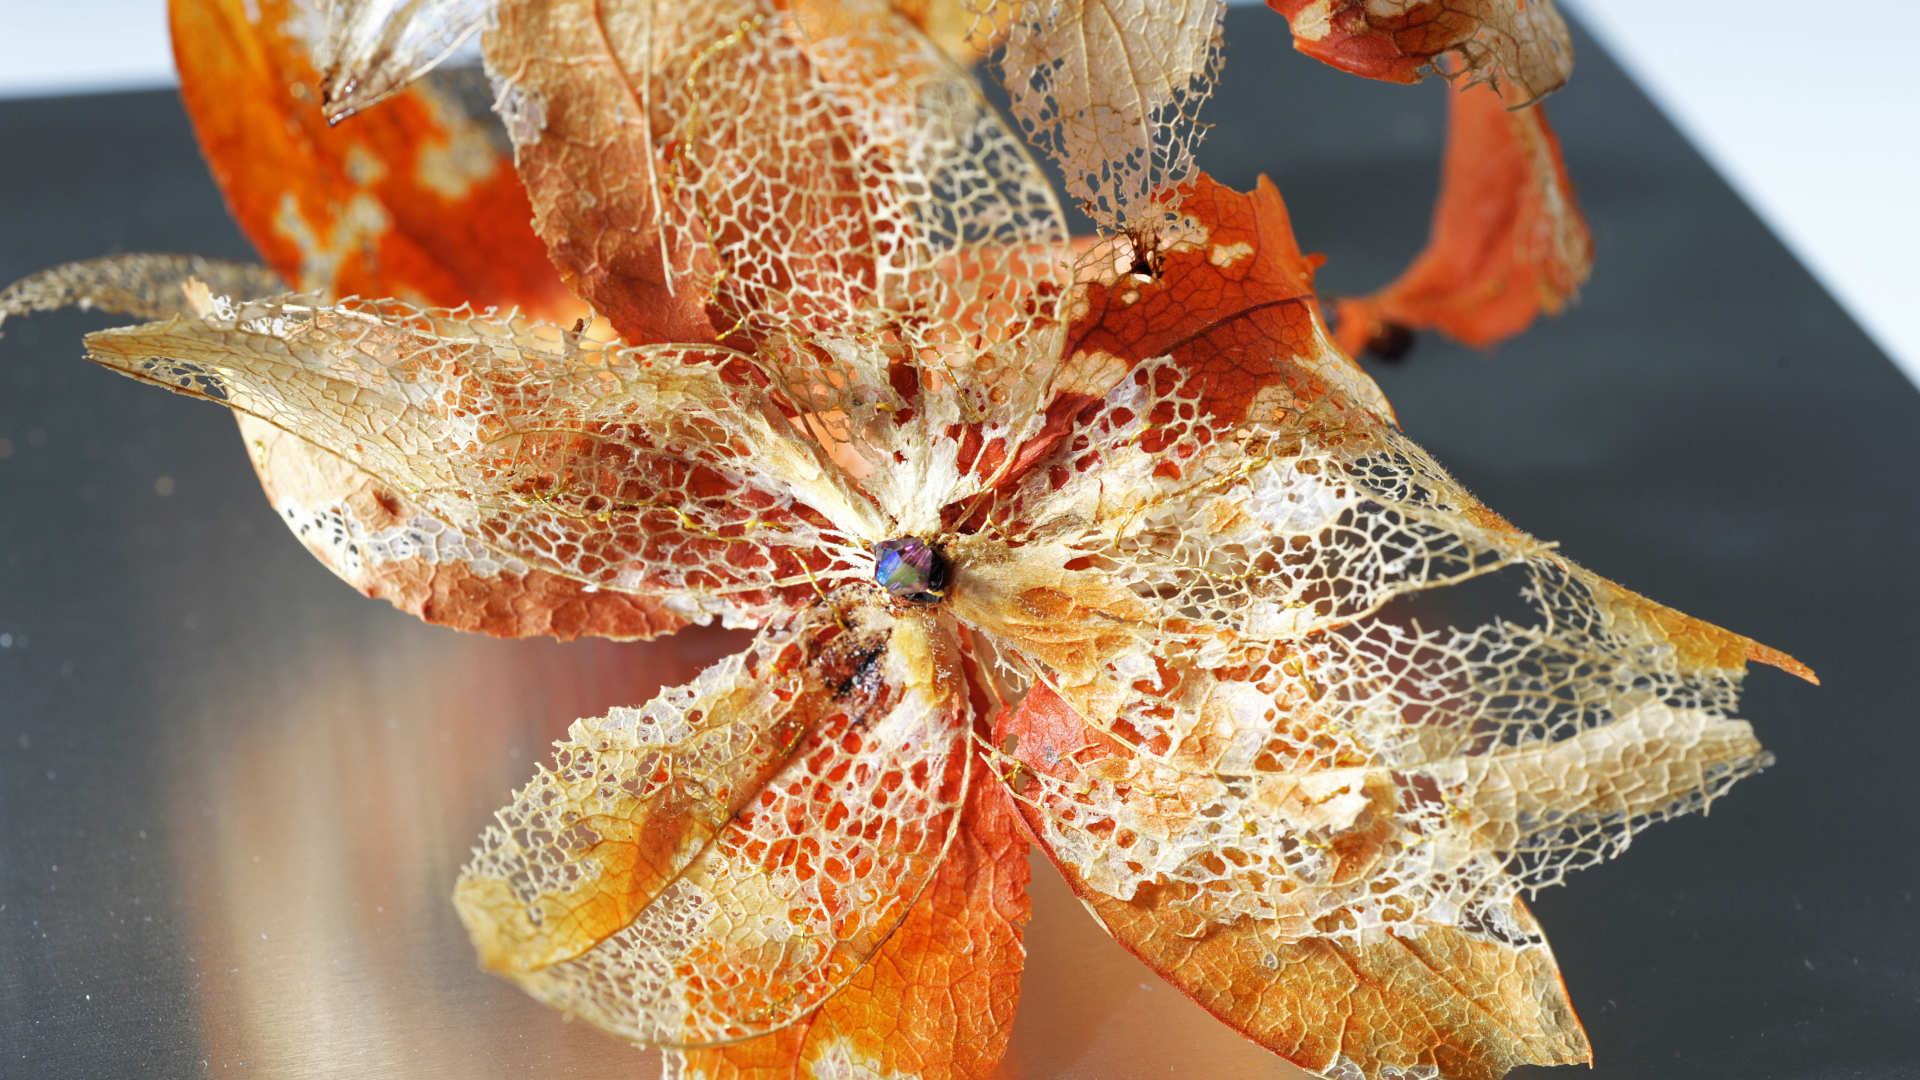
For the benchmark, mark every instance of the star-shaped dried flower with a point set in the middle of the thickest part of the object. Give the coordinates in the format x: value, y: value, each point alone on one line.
x: 1122, y: 555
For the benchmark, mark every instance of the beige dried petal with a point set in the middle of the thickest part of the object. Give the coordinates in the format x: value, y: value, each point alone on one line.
x: 1112, y: 89
x: 144, y: 286
x: 359, y: 528
x: 374, y: 48
x: 1301, y: 676
x: 389, y: 549
x: 645, y: 471
x: 802, y: 175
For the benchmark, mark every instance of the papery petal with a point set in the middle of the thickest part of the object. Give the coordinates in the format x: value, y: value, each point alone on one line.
x: 362, y: 530
x: 145, y: 286
x: 1468, y: 1001
x: 797, y: 176
x: 414, y: 199
x: 937, y: 1001
x: 1230, y: 291
x: 1508, y: 242
x: 662, y: 885
x: 1385, y: 775
x: 373, y: 48
x: 1112, y: 90
x: 830, y: 191
x: 1377, y: 703
x: 654, y: 472
x: 390, y: 549
x: 1520, y: 46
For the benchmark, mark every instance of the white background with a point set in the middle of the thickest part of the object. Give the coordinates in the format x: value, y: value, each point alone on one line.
x: 1811, y: 111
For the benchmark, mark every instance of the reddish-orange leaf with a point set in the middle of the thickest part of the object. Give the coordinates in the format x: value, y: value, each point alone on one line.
x: 412, y: 199
x: 1508, y: 239
x: 937, y: 1001
x: 1471, y: 1004
x: 1230, y: 296
x: 1520, y: 46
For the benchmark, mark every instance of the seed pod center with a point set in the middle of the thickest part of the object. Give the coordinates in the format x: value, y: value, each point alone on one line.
x: 911, y: 570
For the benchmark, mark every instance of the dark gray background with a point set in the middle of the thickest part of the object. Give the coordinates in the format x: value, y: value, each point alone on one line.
x: 233, y: 794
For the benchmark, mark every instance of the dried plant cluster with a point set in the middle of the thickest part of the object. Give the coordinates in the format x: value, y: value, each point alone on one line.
x: 760, y: 315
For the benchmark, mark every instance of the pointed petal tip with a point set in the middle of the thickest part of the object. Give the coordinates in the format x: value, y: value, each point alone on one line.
x: 1764, y: 654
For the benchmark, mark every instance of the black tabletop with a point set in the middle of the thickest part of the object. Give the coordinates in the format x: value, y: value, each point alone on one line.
x: 234, y: 794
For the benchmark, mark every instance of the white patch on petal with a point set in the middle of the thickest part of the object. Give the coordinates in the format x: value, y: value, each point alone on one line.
x: 1225, y: 255
x: 1288, y: 500
x: 840, y: 1059
x: 697, y: 608
x: 1312, y: 23
x: 524, y: 112
x: 353, y: 551
x: 360, y: 224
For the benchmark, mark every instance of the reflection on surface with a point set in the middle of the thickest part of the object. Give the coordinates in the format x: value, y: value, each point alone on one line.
x: 318, y: 833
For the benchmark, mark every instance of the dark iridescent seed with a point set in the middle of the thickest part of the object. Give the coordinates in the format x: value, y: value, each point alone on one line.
x: 911, y: 570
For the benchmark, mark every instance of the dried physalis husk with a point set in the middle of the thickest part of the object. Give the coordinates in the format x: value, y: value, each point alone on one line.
x: 1508, y: 243
x: 1520, y: 47
x: 1128, y: 550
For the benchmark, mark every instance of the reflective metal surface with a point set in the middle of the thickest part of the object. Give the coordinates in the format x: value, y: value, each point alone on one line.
x: 234, y: 794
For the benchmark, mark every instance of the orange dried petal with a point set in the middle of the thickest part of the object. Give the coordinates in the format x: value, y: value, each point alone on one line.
x: 1508, y: 241
x: 412, y: 199
x: 1520, y: 46
x: 937, y: 1001
x: 1232, y: 301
